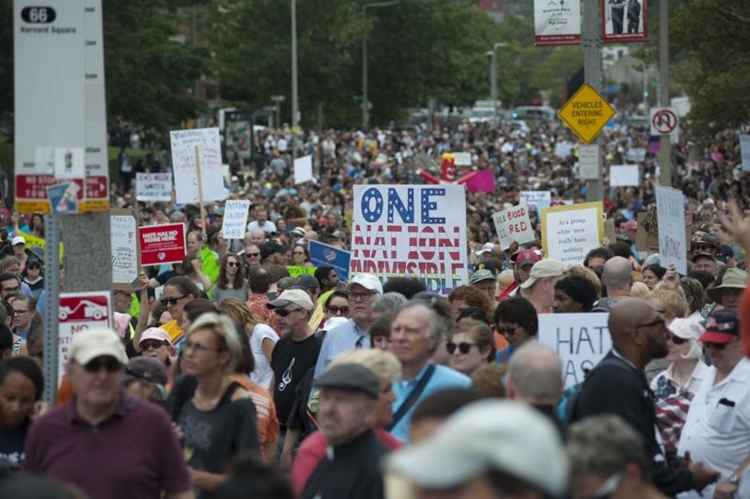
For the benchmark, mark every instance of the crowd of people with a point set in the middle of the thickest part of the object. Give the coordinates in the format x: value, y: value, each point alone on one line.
x: 247, y: 371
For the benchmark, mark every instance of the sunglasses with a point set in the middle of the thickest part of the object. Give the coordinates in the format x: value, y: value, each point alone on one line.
x: 147, y: 345
x: 338, y: 310
x: 233, y: 264
x: 171, y: 301
x: 283, y: 312
x: 252, y: 254
x: 463, y: 347
x: 677, y: 340
x: 109, y: 364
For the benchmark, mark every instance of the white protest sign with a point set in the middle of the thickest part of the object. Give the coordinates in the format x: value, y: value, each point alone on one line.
x: 153, y: 186
x: 513, y: 224
x: 581, y: 341
x: 563, y: 149
x: 623, y: 175
x: 414, y: 230
x: 462, y: 158
x: 588, y: 161
x: 124, y: 237
x: 537, y: 199
x: 570, y: 232
x: 184, y: 164
x: 235, y: 218
x: 670, y: 214
x: 745, y: 152
x: 303, y: 169
x: 636, y: 154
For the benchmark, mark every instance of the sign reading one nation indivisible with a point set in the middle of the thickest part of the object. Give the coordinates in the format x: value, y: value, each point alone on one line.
x: 411, y: 230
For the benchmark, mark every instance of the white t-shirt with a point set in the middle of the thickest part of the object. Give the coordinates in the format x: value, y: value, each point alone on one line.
x: 268, y: 226
x: 262, y: 374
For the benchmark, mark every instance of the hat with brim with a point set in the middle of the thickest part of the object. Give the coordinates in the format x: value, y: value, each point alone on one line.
x: 352, y: 377
x: 292, y: 297
x: 733, y: 279
x: 543, y: 269
x: 481, y: 275
x: 97, y: 342
x: 703, y: 254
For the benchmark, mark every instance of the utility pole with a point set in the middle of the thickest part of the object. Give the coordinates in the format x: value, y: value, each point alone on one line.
x: 592, y: 67
x: 365, y: 89
x: 493, y: 81
x: 665, y: 150
x: 295, y: 96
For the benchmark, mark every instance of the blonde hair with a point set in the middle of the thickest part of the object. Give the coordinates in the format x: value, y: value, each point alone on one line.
x: 221, y: 326
x: 238, y: 311
x: 640, y: 290
x: 588, y: 274
x: 672, y: 300
x: 384, y: 364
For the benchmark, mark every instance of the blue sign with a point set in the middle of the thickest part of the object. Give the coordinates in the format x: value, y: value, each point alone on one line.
x: 324, y: 254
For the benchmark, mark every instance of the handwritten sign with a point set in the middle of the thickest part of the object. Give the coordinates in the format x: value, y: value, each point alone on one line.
x: 513, y: 224
x: 563, y: 149
x: 570, y: 232
x: 538, y: 199
x: 414, y: 230
x: 124, y: 236
x: 162, y: 244
x: 462, y: 158
x: 588, y: 161
x: 150, y: 187
x: 184, y: 164
x: 624, y: 175
x: 670, y: 214
x: 581, y: 341
x: 235, y: 218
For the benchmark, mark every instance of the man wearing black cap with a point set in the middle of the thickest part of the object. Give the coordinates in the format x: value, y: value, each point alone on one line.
x: 348, y: 399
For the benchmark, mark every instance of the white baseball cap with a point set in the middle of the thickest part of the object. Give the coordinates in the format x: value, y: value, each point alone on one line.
x: 97, y: 342
x: 368, y: 281
x: 296, y: 296
x: 543, y: 268
x: 17, y: 240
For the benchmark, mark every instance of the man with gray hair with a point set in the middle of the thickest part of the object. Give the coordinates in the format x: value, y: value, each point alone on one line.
x: 617, y: 277
x: 415, y: 334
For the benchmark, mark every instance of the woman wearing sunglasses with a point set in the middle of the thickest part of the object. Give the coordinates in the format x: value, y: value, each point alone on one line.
x: 231, y: 282
x: 471, y: 347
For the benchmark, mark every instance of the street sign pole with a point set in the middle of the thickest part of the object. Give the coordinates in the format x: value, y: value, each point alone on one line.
x: 665, y: 151
x: 52, y: 293
x: 592, y: 67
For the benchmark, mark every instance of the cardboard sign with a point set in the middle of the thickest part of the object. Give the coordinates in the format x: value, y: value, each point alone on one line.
x: 570, y: 232
x: 124, y: 236
x: 588, y: 161
x: 462, y: 158
x: 162, y: 244
x: 150, y: 187
x: 303, y: 169
x: 184, y: 164
x: 514, y: 224
x: 79, y: 311
x: 414, y: 230
x: 326, y: 255
x: 536, y: 199
x: 581, y: 341
x: 745, y: 152
x: 670, y: 213
x: 624, y: 175
x: 557, y: 23
x: 624, y: 21
x: 645, y: 240
x: 235, y: 218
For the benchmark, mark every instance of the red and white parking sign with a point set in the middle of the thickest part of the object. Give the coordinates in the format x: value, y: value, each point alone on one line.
x: 161, y: 244
x: 78, y: 311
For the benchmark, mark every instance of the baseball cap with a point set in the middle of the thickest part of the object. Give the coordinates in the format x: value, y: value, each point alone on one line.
x: 548, y: 267
x: 294, y: 296
x: 97, y: 342
x: 500, y: 435
x: 725, y: 253
x: 155, y: 333
x: 526, y: 256
x: 299, y: 232
x: 17, y: 240
x: 147, y: 369
x: 367, y: 281
x: 350, y: 377
x: 686, y: 328
x: 307, y: 281
x: 481, y: 275
x: 486, y: 248
x: 722, y: 326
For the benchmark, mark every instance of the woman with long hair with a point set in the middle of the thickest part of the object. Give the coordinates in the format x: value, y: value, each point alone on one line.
x: 21, y: 387
x: 231, y: 282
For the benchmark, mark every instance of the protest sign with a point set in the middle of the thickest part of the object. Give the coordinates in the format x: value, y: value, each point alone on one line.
x: 326, y: 255
x: 482, y: 181
x: 536, y: 199
x: 303, y: 169
x: 557, y: 23
x: 79, y: 311
x: 235, y: 218
x: 588, y: 161
x: 624, y: 176
x: 670, y: 213
x: 162, y: 244
x: 414, y: 230
x: 153, y: 187
x: 581, y: 341
x: 124, y: 236
x: 570, y: 232
x: 636, y: 154
x: 185, y: 165
x: 462, y: 158
x: 563, y: 149
x: 64, y: 198
x: 513, y: 224
x: 745, y: 152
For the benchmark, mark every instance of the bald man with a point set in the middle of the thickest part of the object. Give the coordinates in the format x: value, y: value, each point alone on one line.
x: 618, y: 385
x: 617, y: 277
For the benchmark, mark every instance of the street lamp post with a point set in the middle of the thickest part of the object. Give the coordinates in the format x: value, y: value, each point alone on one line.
x: 295, y: 96
x: 365, y: 99
x: 493, y: 77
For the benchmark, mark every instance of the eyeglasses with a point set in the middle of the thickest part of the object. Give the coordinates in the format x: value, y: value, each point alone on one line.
x: 233, y: 264
x: 19, y: 312
x: 252, y: 255
x: 171, y: 301
x: 283, y: 312
x: 676, y: 339
x: 360, y: 296
x: 197, y: 347
x: 338, y: 310
x: 463, y: 347
x: 147, y: 345
x: 10, y: 290
x: 109, y: 364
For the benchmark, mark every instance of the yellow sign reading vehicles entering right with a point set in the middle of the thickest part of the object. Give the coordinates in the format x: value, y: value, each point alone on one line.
x: 586, y: 113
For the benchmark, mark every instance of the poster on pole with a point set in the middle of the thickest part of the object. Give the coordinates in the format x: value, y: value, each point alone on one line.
x: 570, y: 232
x: 184, y: 164
x: 235, y: 218
x: 322, y: 254
x: 624, y: 21
x: 124, y: 236
x: 513, y: 224
x: 411, y: 230
x: 557, y: 22
x: 152, y: 187
x: 624, y: 176
x: 162, y: 244
x: 670, y: 214
x: 538, y: 200
x: 303, y: 169
x: 581, y: 341
x: 79, y: 311
x: 588, y: 161
x: 745, y: 152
